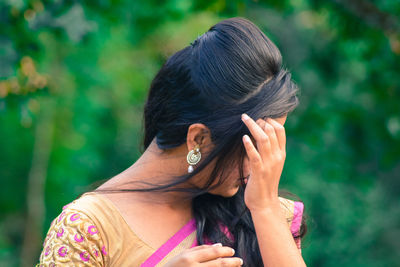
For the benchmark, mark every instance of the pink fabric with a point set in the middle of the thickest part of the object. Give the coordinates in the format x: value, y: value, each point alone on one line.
x: 296, y: 223
x: 294, y: 228
x: 297, y: 216
x: 226, y: 231
x: 223, y: 228
x: 168, y: 246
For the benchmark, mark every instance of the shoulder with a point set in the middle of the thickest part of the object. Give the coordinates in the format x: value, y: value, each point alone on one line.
x: 93, y: 219
x: 73, y: 239
x: 293, y: 211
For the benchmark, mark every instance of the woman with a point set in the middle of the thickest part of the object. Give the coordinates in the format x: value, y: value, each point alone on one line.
x: 205, y: 190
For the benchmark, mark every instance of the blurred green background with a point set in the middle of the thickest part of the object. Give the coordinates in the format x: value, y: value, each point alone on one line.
x: 74, y: 77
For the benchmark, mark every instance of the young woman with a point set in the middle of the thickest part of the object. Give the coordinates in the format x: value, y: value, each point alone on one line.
x: 205, y: 190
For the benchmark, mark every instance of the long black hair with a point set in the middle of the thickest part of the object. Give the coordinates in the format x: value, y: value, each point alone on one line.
x: 231, y: 69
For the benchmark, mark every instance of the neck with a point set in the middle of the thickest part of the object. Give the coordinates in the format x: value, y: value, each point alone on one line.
x: 154, y: 167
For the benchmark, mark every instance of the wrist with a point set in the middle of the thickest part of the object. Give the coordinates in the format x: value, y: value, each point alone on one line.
x: 272, y: 205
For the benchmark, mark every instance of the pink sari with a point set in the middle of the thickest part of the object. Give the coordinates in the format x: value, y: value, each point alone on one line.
x: 188, y: 229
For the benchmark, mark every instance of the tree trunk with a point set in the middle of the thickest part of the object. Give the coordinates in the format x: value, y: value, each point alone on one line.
x: 36, y: 182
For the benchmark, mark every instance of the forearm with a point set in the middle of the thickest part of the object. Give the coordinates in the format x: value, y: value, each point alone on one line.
x: 275, y: 240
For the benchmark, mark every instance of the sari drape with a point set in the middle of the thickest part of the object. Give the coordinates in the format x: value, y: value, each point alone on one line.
x: 90, y: 231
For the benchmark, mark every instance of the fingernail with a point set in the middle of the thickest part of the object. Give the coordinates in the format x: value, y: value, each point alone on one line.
x: 241, y: 261
x: 246, y: 138
x: 233, y: 251
x: 245, y: 117
x: 217, y: 244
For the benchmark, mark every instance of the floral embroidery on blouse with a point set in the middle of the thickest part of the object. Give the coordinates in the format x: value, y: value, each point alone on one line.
x: 72, y: 240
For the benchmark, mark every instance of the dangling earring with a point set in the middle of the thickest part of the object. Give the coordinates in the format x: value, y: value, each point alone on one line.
x: 193, y: 157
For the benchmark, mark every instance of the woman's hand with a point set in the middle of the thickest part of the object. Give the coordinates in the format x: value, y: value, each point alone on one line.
x: 206, y: 255
x: 266, y: 162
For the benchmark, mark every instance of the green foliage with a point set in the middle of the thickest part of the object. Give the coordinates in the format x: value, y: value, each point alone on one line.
x: 81, y: 71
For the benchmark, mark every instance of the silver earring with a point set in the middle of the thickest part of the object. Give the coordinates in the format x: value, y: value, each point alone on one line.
x: 193, y: 157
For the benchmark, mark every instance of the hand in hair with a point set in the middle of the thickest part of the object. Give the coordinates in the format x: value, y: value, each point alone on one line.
x: 206, y: 255
x: 266, y: 159
x: 275, y: 240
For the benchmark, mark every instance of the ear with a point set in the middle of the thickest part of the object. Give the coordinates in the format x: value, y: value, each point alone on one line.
x: 199, y: 134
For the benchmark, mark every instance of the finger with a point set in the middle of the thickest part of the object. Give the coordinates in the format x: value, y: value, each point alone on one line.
x: 224, y: 262
x: 263, y: 152
x: 254, y: 157
x: 203, y: 247
x: 261, y: 123
x: 280, y: 134
x: 212, y: 253
x: 269, y: 129
x: 253, y: 127
x: 262, y: 139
